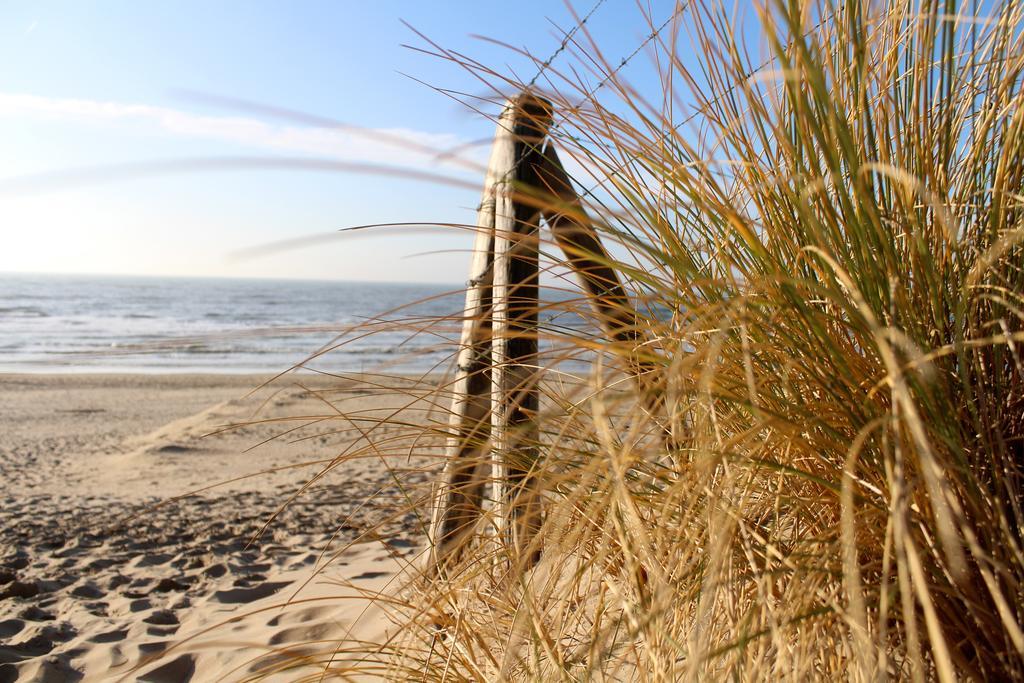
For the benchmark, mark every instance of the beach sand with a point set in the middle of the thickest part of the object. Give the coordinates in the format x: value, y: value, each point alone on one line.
x: 97, y: 582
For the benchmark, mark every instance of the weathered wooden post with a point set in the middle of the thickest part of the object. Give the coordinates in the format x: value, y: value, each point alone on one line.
x: 573, y: 230
x: 515, y: 372
x: 457, y: 503
x: 494, y: 415
x: 500, y: 224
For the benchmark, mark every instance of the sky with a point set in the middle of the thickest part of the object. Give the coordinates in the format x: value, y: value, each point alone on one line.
x: 106, y: 106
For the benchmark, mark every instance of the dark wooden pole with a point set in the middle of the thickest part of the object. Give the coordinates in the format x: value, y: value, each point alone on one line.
x: 494, y: 402
x: 575, y: 234
x: 457, y: 503
x: 515, y: 433
x: 573, y: 230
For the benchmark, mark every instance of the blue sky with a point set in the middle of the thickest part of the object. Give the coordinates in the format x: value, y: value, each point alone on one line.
x: 101, y: 83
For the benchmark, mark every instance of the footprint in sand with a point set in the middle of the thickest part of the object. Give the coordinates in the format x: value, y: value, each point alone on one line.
x: 117, y: 581
x: 140, y: 605
x: 116, y: 635
x: 167, y: 585
x: 36, y: 646
x: 88, y: 591
x: 81, y: 411
x: 255, y: 568
x: 20, y: 589
x: 162, y: 617
x: 241, y: 595
x: 11, y: 627
x: 365, y: 576
x: 33, y: 613
x: 100, y: 563
x: 153, y: 648
x: 216, y: 571
x: 180, y: 669
x: 174, y: 449
x: 60, y: 631
x: 249, y: 581
x: 301, y: 634
x: 150, y: 559
x: 50, y: 669
x: 300, y: 615
x: 99, y: 608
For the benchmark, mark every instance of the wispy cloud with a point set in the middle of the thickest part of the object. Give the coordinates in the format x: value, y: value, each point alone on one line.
x: 394, y: 146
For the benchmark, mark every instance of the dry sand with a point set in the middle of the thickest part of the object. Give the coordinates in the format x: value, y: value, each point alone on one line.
x: 98, y: 584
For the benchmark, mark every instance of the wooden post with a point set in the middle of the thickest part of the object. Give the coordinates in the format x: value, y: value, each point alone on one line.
x: 578, y: 239
x: 514, y: 369
x: 575, y: 234
x: 495, y: 402
x: 457, y: 503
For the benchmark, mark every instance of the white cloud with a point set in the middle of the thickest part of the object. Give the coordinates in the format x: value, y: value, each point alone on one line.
x: 395, y: 146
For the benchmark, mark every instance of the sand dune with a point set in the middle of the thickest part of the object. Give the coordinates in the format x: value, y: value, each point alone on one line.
x: 98, y: 582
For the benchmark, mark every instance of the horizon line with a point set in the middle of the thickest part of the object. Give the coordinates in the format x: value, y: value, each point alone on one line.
x: 155, y: 276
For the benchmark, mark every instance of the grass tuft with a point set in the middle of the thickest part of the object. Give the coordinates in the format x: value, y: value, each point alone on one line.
x: 826, y: 253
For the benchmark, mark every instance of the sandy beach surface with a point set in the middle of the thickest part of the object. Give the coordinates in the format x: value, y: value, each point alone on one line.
x: 98, y: 582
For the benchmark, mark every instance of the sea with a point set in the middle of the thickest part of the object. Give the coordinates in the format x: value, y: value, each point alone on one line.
x: 89, y: 323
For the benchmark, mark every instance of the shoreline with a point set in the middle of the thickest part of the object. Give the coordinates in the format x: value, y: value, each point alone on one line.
x: 94, y: 578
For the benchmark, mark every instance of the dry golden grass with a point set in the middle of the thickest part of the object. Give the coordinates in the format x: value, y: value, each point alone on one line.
x: 829, y: 255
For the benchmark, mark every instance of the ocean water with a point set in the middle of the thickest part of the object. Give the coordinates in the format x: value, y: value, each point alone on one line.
x: 77, y: 323
x: 72, y: 323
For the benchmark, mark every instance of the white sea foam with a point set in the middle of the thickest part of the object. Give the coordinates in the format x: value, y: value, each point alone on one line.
x: 51, y: 323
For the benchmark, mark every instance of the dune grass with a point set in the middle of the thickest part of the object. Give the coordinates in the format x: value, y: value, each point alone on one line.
x: 826, y: 254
